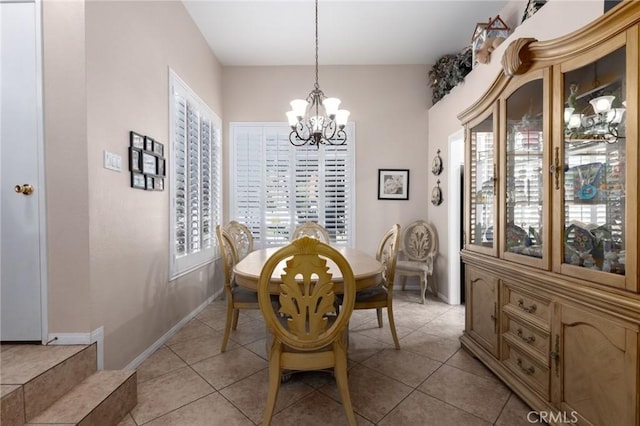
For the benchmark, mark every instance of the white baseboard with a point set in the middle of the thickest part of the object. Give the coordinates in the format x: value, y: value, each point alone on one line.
x: 96, y: 336
x: 443, y: 298
x: 161, y: 341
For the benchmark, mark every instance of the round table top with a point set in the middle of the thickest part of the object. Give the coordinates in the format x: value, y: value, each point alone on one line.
x: 366, y: 269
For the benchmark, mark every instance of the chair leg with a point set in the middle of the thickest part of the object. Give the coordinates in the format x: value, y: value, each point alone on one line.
x: 434, y: 288
x: 404, y: 281
x: 379, y: 314
x: 227, y: 328
x: 274, y: 384
x: 236, y: 314
x: 340, y: 373
x: 392, y: 326
x: 423, y: 287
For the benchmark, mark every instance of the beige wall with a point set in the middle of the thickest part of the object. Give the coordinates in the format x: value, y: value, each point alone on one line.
x: 67, y: 183
x: 388, y: 105
x: 551, y: 21
x: 108, y: 243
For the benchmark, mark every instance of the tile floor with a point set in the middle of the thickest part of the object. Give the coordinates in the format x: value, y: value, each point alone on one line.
x: 430, y: 381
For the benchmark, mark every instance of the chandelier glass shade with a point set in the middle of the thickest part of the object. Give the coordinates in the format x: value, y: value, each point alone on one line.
x: 317, y: 119
x: 601, y: 125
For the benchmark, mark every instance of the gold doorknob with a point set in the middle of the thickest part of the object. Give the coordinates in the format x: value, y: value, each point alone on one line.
x: 25, y: 189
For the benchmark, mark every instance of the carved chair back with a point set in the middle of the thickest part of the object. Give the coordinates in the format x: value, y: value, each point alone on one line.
x: 387, y: 254
x: 242, y: 238
x: 419, y: 242
x: 311, y: 229
x: 229, y: 256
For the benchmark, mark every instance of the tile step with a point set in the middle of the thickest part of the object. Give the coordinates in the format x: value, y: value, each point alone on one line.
x: 25, y: 362
x: 104, y: 398
x: 43, y: 374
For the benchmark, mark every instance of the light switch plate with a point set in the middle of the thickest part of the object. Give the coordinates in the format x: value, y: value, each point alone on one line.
x: 112, y: 161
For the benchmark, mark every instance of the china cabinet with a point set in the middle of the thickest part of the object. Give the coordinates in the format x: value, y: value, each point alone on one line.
x: 551, y: 222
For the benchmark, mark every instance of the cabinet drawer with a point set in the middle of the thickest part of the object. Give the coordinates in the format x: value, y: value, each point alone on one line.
x: 527, y: 335
x: 533, y: 308
x: 529, y: 370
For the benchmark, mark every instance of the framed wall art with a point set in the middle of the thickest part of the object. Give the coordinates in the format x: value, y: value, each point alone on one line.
x: 160, y: 171
x: 158, y: 148
x: 136, y: 140
x: 149, y: 163
x: 138, y: 181
x: 158, y: 184
x: 135, y: 156
x: 146, y: 162
x: 148, y: 143
x: 393, y: 184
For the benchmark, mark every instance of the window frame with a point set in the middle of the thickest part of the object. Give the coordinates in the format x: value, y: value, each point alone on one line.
x: 182, y: 264
x: 284, y: 128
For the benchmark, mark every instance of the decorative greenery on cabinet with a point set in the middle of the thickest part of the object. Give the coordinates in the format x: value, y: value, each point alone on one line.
x: 448, y: 72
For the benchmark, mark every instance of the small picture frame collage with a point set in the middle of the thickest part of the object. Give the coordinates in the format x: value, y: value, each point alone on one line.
x: 146, y: 162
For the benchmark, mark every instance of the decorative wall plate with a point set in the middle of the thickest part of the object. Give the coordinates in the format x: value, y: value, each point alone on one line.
x: 436, y: 166
x: 581, y: 239
x: 436, y: 195
x: 516, y: 236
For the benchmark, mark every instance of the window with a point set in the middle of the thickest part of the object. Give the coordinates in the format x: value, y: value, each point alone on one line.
x: 195, y: 184
x: 276, y: 186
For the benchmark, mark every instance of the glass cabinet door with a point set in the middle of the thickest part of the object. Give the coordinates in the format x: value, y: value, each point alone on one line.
x: 524, y: 200
x: 482, y: 186
x: 594, y: 151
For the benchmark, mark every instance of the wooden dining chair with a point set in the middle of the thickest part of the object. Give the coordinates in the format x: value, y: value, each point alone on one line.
x: 307, y: 331
x: 381, y: 296
x: 419, y: 249
x: 237, y: 297
x: 242, y: 238
x: 311, y: 229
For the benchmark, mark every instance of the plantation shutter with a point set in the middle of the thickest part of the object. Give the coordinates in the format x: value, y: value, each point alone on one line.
x: 195, y: 171
x: 276, y: 186
x: 249, y: 196
x: 338, y: 187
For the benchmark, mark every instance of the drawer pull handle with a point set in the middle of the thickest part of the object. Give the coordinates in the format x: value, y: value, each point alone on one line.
x: 529, y: 309
x: 529, y: 339
x: 528, y: 371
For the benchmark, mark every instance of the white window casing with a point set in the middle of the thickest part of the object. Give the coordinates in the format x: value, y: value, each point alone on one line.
x: 195, y: 179
x: 275, y: 186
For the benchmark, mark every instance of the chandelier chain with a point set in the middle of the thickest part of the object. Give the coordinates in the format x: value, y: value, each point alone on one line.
x: 317, y: 86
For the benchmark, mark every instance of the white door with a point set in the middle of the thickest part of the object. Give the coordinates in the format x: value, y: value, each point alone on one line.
x: 22, y: 197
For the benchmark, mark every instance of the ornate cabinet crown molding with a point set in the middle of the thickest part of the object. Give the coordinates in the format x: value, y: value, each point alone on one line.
x: 517, y: 57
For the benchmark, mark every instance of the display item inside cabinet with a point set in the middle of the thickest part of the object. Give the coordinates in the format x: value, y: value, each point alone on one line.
x: 524, y: 157
x: 594, y: 164
x: 595, y: 106
x: 483, y: 184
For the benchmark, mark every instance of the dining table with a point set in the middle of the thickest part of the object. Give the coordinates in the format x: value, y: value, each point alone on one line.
x: 366, y: 269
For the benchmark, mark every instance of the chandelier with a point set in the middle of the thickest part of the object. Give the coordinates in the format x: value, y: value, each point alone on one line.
x: 317, y: 120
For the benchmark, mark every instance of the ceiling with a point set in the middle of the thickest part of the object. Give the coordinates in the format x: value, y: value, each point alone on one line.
x: 351, y: 32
